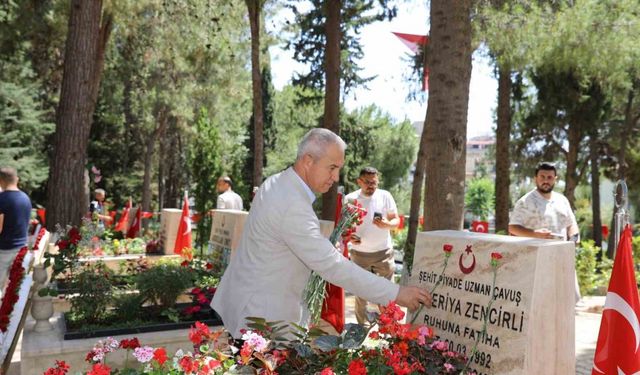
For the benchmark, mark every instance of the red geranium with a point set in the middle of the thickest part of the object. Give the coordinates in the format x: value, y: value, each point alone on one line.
x: 160, y: 355
x: 130, y: 344
x: 357, y: 367
x: 100, y: 369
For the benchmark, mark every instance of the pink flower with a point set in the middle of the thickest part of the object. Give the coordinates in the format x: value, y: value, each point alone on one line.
x: 439, y: 345
x: 448, y: 367
x: 257, y: 342
x: 143, y: 354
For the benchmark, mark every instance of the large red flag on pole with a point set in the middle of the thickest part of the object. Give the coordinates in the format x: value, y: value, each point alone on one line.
x: 333, y: 307
x: 124, y: 218
x: 135, y: 226
x: 183, y: 237
x: 415, y: 43
x: 619, y: 338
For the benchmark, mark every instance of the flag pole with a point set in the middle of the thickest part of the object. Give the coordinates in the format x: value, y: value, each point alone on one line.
x: 621, y: 201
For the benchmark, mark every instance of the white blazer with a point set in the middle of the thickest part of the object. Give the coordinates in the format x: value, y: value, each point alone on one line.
x: 281, y: 243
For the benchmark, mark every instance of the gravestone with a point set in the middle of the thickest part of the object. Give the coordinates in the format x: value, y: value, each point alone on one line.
x: 226, y: 228
x: 531, y: 322
x: 169, y: 222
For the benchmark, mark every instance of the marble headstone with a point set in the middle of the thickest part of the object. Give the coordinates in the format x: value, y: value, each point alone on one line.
x: 530, y: 324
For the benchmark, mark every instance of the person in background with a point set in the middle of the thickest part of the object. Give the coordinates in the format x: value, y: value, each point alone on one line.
x: 98, y: 210
x: 371, y: 245
x: 281, y: 244
x: 15, y: 214
x: 228, y: 199
x: 543, y: 213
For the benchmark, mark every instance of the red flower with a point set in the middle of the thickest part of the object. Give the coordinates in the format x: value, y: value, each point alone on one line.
x: 214, y: 364
x: 130, y: 344
x: 74, y: 235
x: 187, y: 364
x: 357, y: 367
x: 327, y: 371
x: 61, y: 369
x: 196, y: 291
x: 99, y: 369
x: 185, y: 263
x: 160, y: 355
x: 202, y: 299
x: 209, y: 266
x: 190, y: 310
x: 62, y: 244
x: 496, y: 256
x: 447, y: 248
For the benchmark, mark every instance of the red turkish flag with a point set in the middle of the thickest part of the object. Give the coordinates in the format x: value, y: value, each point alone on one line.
x: 414, y: 43
x: 619, y: 339
x: 124, y: 219
x: 183, y: 237
x: 480, y: 226
x: 135, y: 226
x: 333, y: 307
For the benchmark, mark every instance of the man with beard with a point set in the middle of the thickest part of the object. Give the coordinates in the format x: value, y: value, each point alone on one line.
x: 543, y: 213
x: 371, y: 245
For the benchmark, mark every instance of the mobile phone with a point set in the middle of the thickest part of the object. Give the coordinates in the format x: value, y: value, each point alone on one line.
x: 377, y: 215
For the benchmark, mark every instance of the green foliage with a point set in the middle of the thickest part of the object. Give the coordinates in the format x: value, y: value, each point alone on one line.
x: 94, y: 284
x: 309, y: 41
x: 593, y: 275
x: 162, y: 284
x: 205, y: 164
x: 479, y: 197
x: 128, y: 306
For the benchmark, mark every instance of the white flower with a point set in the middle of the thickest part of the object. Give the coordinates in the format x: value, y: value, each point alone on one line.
x: 255, y: 340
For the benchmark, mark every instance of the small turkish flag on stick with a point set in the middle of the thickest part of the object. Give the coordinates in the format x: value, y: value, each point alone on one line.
x: 183, y: 237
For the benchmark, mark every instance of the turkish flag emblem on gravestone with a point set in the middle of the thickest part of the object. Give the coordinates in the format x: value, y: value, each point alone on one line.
x: 617, y: 352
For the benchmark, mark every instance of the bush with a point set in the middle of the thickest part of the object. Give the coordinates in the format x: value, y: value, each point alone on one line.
x: 593, y: 276
x: 162, y: 284
x: 128, y: 306
x: 95, y: 287
x: 479, y: 197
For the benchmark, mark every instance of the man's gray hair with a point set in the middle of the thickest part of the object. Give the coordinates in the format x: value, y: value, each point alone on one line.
x: 317, y: 141
x: 100, y: 191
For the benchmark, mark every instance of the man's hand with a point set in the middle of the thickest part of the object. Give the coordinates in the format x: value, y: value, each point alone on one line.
x: 381, y: 223
x: 411, y: 297
x: 542, y: 233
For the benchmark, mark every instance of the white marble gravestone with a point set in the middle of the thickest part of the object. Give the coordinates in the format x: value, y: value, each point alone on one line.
x: 530, y: 325
x: 226, y: 228
x: 169, y: 222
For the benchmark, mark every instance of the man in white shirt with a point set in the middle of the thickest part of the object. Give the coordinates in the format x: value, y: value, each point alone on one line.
x: 543, y: 213
x: 371, y: 245
x: 228, y: 199
x: 282, y: 243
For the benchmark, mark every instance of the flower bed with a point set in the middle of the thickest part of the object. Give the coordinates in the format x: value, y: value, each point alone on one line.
x: 396, y: 348
x: 152, y: 320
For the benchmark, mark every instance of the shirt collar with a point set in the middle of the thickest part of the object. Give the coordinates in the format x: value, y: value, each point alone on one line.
x: 307, y: 189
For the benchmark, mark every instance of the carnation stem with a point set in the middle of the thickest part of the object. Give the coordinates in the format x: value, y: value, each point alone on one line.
x: 444, y: 267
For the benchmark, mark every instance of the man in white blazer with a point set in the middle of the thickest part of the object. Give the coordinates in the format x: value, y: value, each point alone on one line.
x: 281, y: 244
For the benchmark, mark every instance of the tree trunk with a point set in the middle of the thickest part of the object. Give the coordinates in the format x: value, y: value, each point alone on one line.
x: 67, y: 202
x: 148, y: 161
x: 254, y: 7
x: 331, y: 119
x: 503, y: 163
x: 595, y: 189
x: 574, y: 135
x: 446, y: 124
x: 416, y: 199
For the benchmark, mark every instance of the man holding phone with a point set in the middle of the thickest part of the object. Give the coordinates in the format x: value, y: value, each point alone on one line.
x: 371, y: 245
